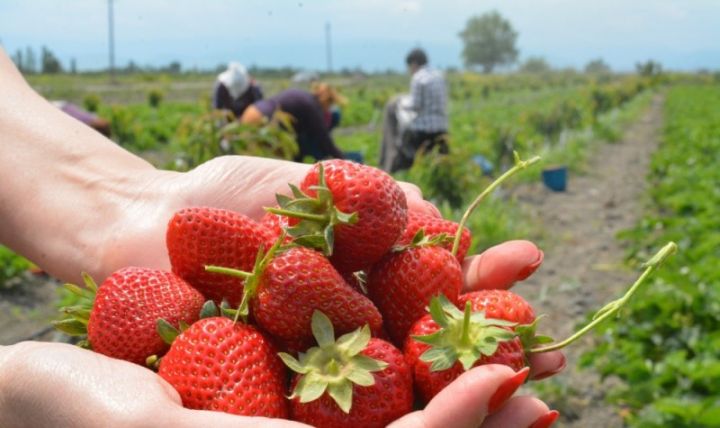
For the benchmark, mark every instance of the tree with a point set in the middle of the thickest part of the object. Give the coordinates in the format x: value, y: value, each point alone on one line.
x: 535, y: 65
x: 18, y: 60
x: 30, y: 65
x: 597, y: 66
x: 50, y: 63
x: 489, y: 41
x: 649, y: 68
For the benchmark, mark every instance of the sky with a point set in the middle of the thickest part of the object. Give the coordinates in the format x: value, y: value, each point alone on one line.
x: 372, y: 34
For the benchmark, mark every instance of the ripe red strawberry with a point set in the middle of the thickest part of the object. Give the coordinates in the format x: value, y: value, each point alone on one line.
x: 125, y: 310
x: 228, y: 367
x: 404, y: 281
x: 353, y: 212
x: 287, y: 286
x: 481, y: 335
x: 371, y: 383
x: 211, y: 236
x: 274, y: 223
x: 434, y: 226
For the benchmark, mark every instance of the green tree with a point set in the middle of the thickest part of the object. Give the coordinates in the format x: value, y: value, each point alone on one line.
x: 50, y: 63
x: 489, y: 41
x: 649, y: 68
x: 535, y: 65
x: 30, y: 63
x: 597, y: 66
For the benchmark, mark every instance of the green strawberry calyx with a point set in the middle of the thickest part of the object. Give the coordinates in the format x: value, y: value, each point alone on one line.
x: 422, y: 240
x: 464, y: 336
x: 76, y: 317
x: 318, y: 215
x: 252, y: 279
x: 333, y: 366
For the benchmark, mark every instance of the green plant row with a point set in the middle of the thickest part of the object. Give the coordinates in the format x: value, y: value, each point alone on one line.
x: 667, y: 349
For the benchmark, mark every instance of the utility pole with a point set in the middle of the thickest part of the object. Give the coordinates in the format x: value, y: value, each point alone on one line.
x: 328, y: 47
x: 111, y: 38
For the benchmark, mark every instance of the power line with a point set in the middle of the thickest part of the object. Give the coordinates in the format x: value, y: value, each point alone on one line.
x: 111, y: 39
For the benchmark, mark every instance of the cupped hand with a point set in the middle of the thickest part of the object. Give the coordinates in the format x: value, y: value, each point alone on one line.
x: 247, y: 185
x: 60, y: 385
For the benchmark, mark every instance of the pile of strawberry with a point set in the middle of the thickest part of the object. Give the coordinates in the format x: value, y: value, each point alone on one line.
x: 342, y: 257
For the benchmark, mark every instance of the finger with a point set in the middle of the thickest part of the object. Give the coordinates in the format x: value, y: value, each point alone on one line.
x: 546, y: 364
x: 522, y: 412
x: 415, y: 201
x: 463, y: 403
x: 186, y: 418
x: 502, y: 265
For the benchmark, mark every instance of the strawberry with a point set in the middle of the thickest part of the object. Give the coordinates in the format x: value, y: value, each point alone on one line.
x: 434, y: 226
x: 404, y: 281
x: 461, y: 340
x: 210, y: 236
x: 353, y: 213
x: 287, y: 285
x: 125, y: 309
x: 275, y: 224
x: 224, y: 366
x: 357, y: 381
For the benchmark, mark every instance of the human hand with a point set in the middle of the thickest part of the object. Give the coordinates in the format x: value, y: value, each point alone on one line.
x: 481, y: 397
x: 60, y: 385
x: 238, y: 183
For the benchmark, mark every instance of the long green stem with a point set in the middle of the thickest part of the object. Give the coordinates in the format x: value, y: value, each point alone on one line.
x: 613, y: 307
x: 228, y: 271
x: 519, y: 165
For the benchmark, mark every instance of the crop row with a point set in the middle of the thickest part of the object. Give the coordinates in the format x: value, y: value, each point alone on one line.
x: 666, y: 349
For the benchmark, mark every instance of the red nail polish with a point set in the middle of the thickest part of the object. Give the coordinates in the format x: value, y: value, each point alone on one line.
x: 546, y: 420
x: 547, y: 374
x: 507, y: 389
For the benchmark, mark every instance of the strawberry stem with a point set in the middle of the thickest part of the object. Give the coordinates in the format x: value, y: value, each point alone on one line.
x: 519, y: 165
x: 298, y: 214
x: 613, y: 307
x: 228, y: 271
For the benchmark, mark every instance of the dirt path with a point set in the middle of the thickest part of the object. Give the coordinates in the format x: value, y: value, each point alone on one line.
x: 583, y: 265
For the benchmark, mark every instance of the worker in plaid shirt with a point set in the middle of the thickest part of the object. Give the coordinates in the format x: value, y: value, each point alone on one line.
x: 429, y: 102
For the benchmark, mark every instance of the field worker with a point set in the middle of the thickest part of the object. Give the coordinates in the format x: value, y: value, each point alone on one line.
x: 73, y: 201
x: 428, y: 99
x: 312, y: 118
x: 90, y: 119
x: 235, y: 90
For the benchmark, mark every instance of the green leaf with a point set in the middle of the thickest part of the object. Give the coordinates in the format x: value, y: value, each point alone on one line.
x: 71, y: 326
x: 292, y: 363
x: 342, y: 394
x: 354, y: 342
x: 89, y: 282
x: 361, y: 377
x: 310, y: 388
x: 370, y: 364
x: 322, y: 329
x: 209, y: 309
x: 167, y: 331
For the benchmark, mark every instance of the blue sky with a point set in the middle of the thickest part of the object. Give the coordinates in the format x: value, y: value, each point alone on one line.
x: 374, y: 34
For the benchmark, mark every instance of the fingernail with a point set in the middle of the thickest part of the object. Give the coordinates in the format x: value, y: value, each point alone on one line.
x: 547, y: 374
x: 507, y: 389
x: 546, y: 420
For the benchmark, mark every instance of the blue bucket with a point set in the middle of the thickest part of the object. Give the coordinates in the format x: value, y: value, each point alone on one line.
x: 555, y: 178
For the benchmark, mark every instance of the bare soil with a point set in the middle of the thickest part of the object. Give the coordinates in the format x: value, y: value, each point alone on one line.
x: 584, y: 261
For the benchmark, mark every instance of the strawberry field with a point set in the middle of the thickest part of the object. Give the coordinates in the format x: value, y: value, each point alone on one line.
x: 666, y: 349
x: 661, y: 353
